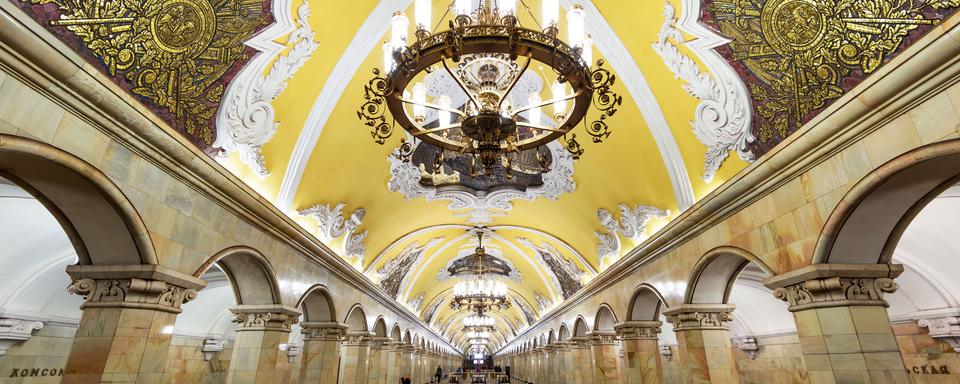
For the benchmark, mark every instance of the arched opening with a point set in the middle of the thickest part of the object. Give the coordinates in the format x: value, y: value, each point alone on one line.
x: 317, y: 306
x: 250, y: 275
x: 868, y: 223
x: 712, y: 278
x: 580, y: 327
x: 356, y: 319
x: 380, y: 327
x: 645, y: 304
x: 395, y: 334
x: 564, y: 333
x: 605, y: 319
x: 551, y: 337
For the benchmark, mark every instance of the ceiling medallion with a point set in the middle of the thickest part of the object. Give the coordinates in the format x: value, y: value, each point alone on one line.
x: 479, y: 294
x: 490, y: 52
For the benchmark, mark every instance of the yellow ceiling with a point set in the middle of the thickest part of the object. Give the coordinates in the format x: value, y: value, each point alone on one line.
x: 346, y: 166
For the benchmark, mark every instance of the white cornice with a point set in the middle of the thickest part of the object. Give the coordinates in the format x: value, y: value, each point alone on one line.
x: 626, y: 68
x: 364, y: 41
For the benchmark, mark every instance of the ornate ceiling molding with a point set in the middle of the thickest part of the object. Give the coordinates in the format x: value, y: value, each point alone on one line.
x: 482, y: 207
x: 623, y: 63
x: 332, y: 225
x: 356, y: 52
x: 631, y: 224
x: 722, y: 119
x: 246, y: 119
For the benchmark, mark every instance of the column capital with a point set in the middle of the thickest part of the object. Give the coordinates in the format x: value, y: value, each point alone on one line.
x: 564, y: 346
x: 637, y: 330
x: 380, y: 342
x: 580, y: 342
x: 549, y: 348
x: 357, y: 338
x: 322, y: 331
x: 602, y: 337
x: 264, y: 317
x: 699, y: 316
x: 835, y: 285
x: 133, y: 286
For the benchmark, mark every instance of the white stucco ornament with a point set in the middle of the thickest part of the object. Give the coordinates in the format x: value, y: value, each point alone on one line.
x: 332, y: 225
x: 632, y: 224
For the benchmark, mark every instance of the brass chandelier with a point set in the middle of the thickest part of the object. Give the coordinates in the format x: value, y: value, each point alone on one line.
x: 480, y: 294
x: 486, y: 53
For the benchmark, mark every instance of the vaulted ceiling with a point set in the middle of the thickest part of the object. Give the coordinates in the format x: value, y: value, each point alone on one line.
x: 286, y: 122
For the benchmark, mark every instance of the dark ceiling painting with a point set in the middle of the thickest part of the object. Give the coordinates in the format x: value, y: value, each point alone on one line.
x: 798, y: 56
x: 175, y: 56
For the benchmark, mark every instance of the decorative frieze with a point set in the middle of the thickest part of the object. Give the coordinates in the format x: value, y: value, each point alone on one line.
x: 13, y: 331
x: 638, y: 330
x: 945, y: 329
x: 133, y: 286
x: 747, y: 344
x: 602, y: 337
x: 835, y: 285
x: 323, y: 331
x: 269, y: 317
x: 357, y: 338
x: 699, y: 316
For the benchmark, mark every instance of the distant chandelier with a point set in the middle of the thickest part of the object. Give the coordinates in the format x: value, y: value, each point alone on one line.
x: 480, y: 294
x: 481, y: 115
x: 478, y: 323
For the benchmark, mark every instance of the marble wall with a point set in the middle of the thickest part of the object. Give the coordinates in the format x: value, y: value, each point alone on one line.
x: 40, y: 359
x: 186, y: 363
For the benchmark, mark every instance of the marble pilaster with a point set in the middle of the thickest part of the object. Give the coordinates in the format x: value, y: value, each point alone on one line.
x: 354, y: 358
x: 379, y: 357
x: 606, y: 357
x: 406, y: 360
x: 842, y: 321
x: 393, y: 355
x: 703, y: 342
x: 641, y: 351
x: 257, y: 357
x: 582, y: 372
x: 321, y: 351
x: 128, y: 317
x: 564, y: 358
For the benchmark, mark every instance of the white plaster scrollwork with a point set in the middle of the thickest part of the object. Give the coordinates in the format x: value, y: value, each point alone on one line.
x: 481, y: 207
x: 416, y: 302
x: 211, y: 346
x: 721, y: 121
x: 946, y: 329
x: 333, y: 225
x: 631, y: 224
x: 13, y: 331
x: 246, y: 120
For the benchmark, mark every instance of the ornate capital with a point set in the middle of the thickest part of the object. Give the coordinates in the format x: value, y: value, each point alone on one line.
x: 13, y: 331
x: 835, y: 285
x: 699, y: 316
x: 945, y: 329
x: 322, y: 331
x: 638, y: 330
x: 133, y: 286
x: 602, y: 337
x: 580, y: 342
x: 357, y: 338
x: 564, y: 346
x: 268, y: 317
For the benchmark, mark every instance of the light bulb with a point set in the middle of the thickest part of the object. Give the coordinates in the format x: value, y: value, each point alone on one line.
x: 560, y: 106
x: 507, y: 7
x: 419, y: 98
x: 398, y: 30
x: 387, y: 57
x: 575, y: 31
x: 550, y: 13
x: 533, y: 114
x: 462, y: 7
x: 587, y: 54
x: 422, y: 11
x: 443, y: 116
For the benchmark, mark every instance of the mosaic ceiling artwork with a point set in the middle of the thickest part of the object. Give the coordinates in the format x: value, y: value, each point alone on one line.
x: 798, y: 56
x: 176, y: 56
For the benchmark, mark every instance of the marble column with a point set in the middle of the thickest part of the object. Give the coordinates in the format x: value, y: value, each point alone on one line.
x: 841, y: 315
x: 321, y: 351
x: 379, y: 357
x: 354, y: 358
x: 128, y: 317
x: 393, y: 355
x: 606, y: 357
x: 554, y: 374
x: 583, y: 370
x: 641, y: 351
x: 703, y: 340
x: 545, y: 352
x: 257, y: 357
x: 565, y: 361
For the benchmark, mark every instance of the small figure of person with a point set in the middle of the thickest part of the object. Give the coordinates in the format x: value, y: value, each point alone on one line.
x: 439, y: 374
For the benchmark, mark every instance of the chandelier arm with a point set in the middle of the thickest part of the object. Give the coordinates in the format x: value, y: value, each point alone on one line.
x: 515, y: 81
x: 528, y: 125
x: 432, y: 106
x: 463, y: 87
x: 437, y: 129
x: 546, y: 102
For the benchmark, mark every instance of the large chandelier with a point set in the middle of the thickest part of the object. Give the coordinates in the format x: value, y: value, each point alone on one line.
x: 480, y: 294
x: 486, y: 54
